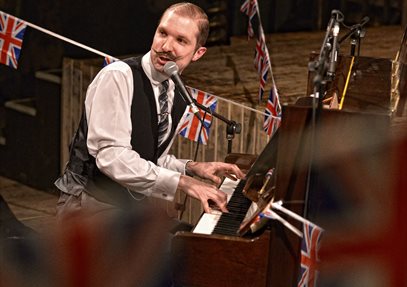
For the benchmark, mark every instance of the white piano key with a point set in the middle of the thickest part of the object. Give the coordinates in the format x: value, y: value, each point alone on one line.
x: 208, y: 221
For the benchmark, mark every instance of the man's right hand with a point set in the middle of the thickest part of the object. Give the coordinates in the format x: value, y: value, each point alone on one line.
x: 204, y: 192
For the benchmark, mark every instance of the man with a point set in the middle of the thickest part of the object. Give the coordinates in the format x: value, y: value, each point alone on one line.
x: 118, y: 155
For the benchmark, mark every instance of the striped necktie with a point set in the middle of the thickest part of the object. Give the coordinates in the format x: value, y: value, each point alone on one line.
x: 163, y: 116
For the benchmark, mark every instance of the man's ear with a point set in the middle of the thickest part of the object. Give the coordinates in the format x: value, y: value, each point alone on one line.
x: 198, y: 53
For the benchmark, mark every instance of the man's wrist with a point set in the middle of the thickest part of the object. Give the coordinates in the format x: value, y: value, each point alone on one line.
x: 188, y: 170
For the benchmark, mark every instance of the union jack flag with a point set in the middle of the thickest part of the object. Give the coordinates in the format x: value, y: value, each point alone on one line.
x: 192, y: 128
x: 108, y: 60
x: 272, y: 119
x: 249, y: 7
x: 309, y: 255
x: 11, y: 39
x: 261, y: 63
x: 260, y: 56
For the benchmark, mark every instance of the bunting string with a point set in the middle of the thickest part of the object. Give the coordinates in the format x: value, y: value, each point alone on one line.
x: 279, y: 206
x: 262, y: 63
x: 53, y: 34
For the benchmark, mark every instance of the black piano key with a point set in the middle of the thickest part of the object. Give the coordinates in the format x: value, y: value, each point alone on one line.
x: 238, y: 205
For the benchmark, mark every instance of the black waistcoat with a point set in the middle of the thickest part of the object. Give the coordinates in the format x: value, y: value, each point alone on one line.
x: 144, y: 139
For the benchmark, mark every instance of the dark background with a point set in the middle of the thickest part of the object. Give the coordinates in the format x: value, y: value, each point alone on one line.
x: 30, y: 149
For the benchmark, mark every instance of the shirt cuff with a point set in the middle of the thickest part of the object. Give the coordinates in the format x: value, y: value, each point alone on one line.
x: 166, y: 184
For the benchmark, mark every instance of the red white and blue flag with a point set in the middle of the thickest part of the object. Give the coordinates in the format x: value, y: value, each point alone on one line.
x: 309, y: 255
x: 261, y: 59
x: 272, y: 119
x: 249, y: 7
x: 192, y: 128
x: 261, y: 63
x: 11, y: 39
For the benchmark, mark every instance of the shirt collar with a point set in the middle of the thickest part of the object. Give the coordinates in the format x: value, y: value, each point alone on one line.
x: 154, y: 76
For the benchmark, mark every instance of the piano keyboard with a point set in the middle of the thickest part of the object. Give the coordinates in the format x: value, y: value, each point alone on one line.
x: 227, y: 223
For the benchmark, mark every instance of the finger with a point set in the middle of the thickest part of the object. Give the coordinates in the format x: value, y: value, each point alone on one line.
x: 216, y: 193
x: 237, y: 171
x: 205, y: 206
x: 221, y: 205
x: 220, y: 200
x: 232, y: 177
x: 215, y: 179
x: 232, y: 169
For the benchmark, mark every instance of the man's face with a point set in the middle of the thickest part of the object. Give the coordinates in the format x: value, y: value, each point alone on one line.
x: 175, y: 40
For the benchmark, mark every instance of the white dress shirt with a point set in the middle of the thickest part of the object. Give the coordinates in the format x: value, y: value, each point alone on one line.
x: 108, y: 112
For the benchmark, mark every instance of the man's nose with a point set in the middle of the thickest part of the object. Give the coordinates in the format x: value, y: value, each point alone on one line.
x: 168, y: 45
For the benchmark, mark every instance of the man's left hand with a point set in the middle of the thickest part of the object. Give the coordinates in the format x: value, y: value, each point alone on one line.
x: 214, y: 171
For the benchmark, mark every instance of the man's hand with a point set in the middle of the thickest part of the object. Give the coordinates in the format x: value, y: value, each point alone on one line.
x: 204, y: 192
x: 214, y: 171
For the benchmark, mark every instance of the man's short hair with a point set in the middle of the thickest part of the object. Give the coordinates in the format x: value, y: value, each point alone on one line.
x: 196, y: 13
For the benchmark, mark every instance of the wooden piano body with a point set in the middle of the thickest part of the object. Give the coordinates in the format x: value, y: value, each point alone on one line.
x: 348, y: 154
x: 214, y: 260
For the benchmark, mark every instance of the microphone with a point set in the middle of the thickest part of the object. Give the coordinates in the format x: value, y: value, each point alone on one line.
x: 171, y: 69
x: 334, y: 52
x: 357, y: 30
x: 364, y: 21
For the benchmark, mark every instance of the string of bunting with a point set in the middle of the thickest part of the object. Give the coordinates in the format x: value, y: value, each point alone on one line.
x: 11, y: 35
x: 262, y: 64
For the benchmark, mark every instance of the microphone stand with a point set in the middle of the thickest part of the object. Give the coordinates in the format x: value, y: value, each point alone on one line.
x: 232, y: 127
x: 356, y: 33
x: 321, y: 77
x: 320, y: 67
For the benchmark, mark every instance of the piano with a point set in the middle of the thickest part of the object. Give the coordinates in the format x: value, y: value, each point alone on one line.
x: 218, y: 253
x: 347, y: 141
x: 270, y: 257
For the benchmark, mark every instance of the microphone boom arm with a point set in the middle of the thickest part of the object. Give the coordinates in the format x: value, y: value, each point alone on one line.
x: 356, y: 32
x: 171, y: 69
x: 232, y: 127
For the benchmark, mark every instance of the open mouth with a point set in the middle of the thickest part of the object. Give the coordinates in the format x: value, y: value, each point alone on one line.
x: 164, y: 57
